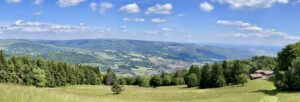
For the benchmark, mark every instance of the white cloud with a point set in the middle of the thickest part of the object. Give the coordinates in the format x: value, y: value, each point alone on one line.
x: 245, y: 29
x: 206, y: 7
x: 158, y: 20
x: 283, y: 1
x: 160, y: 9
x: 134, y: 19
x: 251, y: 4
x: 69, y: 3
x: 93, y: 6
x: 38, y: 13
x: 13, y: 1
x: 295, y: 1
x: 123, y: 27
x: 166, y: 29
x: 130, y: 8
x: 38, y: 2
x: 151, y: 32
x: 104, y: 6
x: 36, y: 27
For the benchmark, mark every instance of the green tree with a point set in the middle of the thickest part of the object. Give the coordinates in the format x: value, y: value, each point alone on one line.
x: 217, y: 78
x: 110, y: 77
x: 287, y: 55
x: 237, y: 70
x: 192, y: 80
x: 155, y: 81
x: 122, y: 81
x: 287, y: 70
x: 116, y: 88
x: 166, y: 80
x: 39, y: 77
x: 129, y: 80
x: 142, y: 81
x: 205, y: 77
x: 242, y: 79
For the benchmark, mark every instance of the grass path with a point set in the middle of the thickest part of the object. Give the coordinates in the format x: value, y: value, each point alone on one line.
x: 255, y: 91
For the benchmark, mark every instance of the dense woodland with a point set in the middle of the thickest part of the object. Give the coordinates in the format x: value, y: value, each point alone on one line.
x: 287, y: 71
x: 42, y: 73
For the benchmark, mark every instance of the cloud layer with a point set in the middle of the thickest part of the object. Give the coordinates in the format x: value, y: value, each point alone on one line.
x: 251, y: 4
x: 247, y: 30
x: 69, y: 3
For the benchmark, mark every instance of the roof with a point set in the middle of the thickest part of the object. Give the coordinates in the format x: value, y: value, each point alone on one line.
x: 255, y: 75
x: 263, y: 72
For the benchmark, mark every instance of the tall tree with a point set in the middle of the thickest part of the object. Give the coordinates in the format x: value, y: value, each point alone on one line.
x: 205, y: 76
x: 192, y: 80
x: 110, y: 77
x: 217, y: 78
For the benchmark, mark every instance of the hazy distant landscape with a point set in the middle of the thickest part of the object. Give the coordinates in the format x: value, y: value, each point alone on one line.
x: 132, y: 56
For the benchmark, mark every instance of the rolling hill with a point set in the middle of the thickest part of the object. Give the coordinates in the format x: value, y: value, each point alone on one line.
x: 130, y: 56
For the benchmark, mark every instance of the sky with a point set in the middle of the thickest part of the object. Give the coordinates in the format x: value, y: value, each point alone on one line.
x: 238, y: 22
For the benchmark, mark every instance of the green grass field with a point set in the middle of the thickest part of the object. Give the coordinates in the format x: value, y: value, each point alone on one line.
x: 255, y: 91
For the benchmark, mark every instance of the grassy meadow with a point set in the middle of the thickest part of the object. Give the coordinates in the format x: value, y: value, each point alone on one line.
x: 255, y: 91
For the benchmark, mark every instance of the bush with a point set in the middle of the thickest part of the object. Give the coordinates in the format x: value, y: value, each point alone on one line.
x: 242, y: 79
x: 191, y: 80
x: 155, y: 81
x: 116, y: 88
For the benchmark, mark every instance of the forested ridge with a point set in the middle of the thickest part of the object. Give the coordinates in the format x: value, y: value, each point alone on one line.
x: 45, y: 73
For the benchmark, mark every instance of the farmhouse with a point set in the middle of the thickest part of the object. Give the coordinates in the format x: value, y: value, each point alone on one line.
x: 255, y: 76
x: 260, y: 74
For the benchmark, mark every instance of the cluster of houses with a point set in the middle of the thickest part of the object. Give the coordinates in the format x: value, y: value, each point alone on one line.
x: 261, y: 74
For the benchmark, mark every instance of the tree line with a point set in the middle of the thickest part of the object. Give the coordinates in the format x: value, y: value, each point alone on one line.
x: 48, y: 73
x: 287, y: 72
x: 218, y: 74
x: 45, y: 73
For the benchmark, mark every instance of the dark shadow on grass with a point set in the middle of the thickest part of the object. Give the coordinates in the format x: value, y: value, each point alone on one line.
x: 268, y: 92
x: 270, y: 79
x: 274, y: 92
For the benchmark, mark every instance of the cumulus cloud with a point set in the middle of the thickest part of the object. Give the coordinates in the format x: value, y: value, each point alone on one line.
x: 130, y: 8
x: 160, y: 9
x: 38, y: 27
x: 104, y: 6
x: 251, y: 4
x: 13, y: 1
x: 249, y: 30
x: 166, y: 29
x: 158, y: 20
x: 93, y: 6
x: 206, y: 7
x: 69, y: 3
x: 38, y: 2
x: 134, y: 19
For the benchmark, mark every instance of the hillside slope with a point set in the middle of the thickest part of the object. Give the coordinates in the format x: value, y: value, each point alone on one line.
x: 126, y: 56
x: 255, y: 91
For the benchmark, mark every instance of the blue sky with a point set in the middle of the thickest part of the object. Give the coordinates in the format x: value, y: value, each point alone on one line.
x: 249, y: 22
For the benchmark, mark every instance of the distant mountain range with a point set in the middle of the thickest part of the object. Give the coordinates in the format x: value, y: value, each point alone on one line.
x: 131, y: 56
